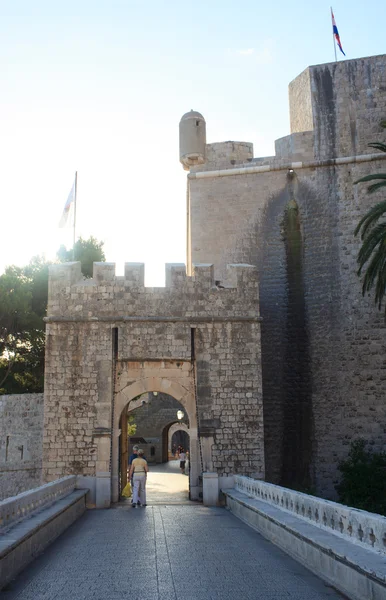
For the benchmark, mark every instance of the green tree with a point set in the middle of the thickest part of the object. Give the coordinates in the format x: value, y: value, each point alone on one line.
x: 372, y: 229
x: 85, y: 251
x: 23, y: 302
x: 131, y: 426
x: 363, y: 483
x: 21, y: 332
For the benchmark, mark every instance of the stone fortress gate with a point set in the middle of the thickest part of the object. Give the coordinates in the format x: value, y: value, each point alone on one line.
x: 318, y: 354
x: 111, y: 339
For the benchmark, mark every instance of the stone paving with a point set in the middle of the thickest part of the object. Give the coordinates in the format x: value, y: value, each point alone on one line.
x: 166, y: 484
x: 165, y: 552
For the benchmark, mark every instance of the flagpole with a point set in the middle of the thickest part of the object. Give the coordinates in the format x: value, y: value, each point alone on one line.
x: 76, y: 185
x: 333, y: 36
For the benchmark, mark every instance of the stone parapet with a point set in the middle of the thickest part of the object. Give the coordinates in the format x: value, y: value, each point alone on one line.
x: 357, y: 526
x: 17, y: 508
x: 307, y: 528
x: 31, y: 521
x: 227, y: 153
x: 108, y: 295
x: 297, y: 146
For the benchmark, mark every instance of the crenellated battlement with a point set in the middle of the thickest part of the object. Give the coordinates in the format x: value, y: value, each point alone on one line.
x: 110, y: 295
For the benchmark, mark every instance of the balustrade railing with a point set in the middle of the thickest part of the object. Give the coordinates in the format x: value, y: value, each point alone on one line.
x: 17, y: 508
x: 361, y: 527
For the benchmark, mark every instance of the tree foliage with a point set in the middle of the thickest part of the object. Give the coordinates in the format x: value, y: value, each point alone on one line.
x: 363, y: 483
x: 372, y: 229
x: 131, y: 426
x: 23, y: 302
x: 23, y: 305
x: 85, y: 251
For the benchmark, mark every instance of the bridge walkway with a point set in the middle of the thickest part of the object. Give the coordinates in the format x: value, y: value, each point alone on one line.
x: 170, y: 550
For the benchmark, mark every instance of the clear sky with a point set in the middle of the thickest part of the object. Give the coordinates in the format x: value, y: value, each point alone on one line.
x: 99, y: 87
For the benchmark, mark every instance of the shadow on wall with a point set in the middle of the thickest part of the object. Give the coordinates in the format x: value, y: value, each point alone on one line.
x: 297, y: 409
x: 285, y: 342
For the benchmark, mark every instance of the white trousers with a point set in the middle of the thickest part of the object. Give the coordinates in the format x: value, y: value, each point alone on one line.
x: 139, y: 492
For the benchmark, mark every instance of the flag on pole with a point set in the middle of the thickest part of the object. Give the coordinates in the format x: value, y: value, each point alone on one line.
x: 336, y: 33
x: 68, y: 210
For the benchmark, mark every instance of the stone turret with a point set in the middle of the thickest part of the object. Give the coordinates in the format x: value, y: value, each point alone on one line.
x: 192, y: 139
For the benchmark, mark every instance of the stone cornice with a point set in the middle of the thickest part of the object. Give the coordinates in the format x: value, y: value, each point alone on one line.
x: 331, y: 162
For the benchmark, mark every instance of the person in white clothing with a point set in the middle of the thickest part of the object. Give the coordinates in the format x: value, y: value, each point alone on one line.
x: 182, y: 457
x: 138, y: 471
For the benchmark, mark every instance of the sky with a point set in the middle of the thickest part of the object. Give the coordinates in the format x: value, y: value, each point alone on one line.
x: 99, y: 87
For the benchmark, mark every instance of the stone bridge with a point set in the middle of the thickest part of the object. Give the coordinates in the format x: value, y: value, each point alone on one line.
x: 184, y: 550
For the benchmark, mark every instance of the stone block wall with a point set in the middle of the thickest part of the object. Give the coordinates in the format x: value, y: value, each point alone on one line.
x: 223, y: 154
x: 297, y: 146
x: 77, y: 396
x: 300, y: 103
x: 340, y: 369
x: 343, y: 103
x: 98, y: 328
x: 21, y: 432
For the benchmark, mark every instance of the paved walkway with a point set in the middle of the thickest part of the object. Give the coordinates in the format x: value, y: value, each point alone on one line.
x: 178, y: 552
x: 166, y: 484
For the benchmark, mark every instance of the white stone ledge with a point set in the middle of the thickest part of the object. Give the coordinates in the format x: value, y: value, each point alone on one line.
x: 27, y: 539
x: 17, y: 508
x: 248, y: 170
x: 356, y: 526
x: 355, y: 570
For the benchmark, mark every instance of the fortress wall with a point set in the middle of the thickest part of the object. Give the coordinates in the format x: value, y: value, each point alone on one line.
x: 222, y: 154
x: 225, y: 216
x: 229, y: 389
x: 77, y: 396
x: 343, y: 102
x: 106, y: 295
x: 153, y: 324
x: 300, y: 103
x: 350, y: 346
x: 21, y: 429
x: 169, y: 340
x: 297, y: 146
x: 240, y: 218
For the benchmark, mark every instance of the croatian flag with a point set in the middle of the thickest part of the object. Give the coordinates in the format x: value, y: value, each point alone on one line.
x: 336, y: 32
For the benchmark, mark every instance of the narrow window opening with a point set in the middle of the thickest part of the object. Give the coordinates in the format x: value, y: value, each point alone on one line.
x: 197, y: 123
x: 192, y: 343
x: 115, y: 342
x: 6, y: 448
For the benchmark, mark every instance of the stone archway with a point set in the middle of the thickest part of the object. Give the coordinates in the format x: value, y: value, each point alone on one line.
x: 172, y: 430
x: 174, y: 378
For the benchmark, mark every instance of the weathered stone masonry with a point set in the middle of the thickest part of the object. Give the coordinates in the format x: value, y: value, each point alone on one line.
x: 21, y: 434
x: 323, y: 345
x: 110, y: 338
x: 328, y: 388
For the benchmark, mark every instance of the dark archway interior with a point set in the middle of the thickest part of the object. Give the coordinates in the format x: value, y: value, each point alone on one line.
x: 180, y: 439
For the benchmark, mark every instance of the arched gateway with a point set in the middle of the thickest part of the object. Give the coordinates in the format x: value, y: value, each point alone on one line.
x: 172, y: 430
x: 172, y: 377
x: 110, y: 339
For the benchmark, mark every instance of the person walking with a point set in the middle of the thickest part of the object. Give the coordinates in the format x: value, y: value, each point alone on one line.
x: 138, y: 472
x: 131, y: 458
x: 182, y: 457
x: 133, y: 455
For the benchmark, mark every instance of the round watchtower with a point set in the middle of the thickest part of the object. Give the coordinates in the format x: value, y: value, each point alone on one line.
x: 192, y: 139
